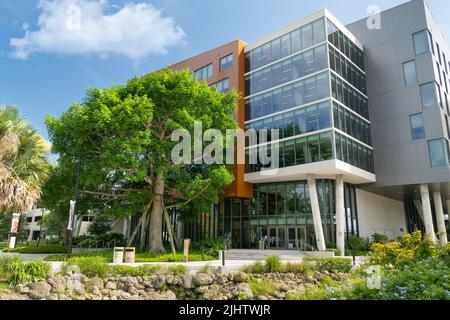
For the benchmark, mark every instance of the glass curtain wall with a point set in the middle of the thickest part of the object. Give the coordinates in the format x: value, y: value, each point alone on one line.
x: 282, y: 212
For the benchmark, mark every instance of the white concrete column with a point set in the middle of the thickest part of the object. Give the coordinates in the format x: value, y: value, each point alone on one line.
x: 340, y: 215
x: 318, y: 228
x: 440, y: 217
x: 427, y: 214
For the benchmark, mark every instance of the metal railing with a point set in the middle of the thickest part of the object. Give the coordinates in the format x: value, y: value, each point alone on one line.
x: 95, y: 244
x: 304, y: 246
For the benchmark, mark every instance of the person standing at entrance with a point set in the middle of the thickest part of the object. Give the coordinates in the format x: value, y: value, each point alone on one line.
x: 266, y: 242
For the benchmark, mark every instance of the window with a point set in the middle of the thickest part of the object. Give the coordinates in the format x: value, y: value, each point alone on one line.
x: 226, y: 62
x: 307, y: 36
x: 286, y: 45
x: 436, y: 150
x: 221, y: 86
x: 293, y: 68
x: 319, y: 31
x: 421, y: 42
x: 417, y: 126
x: 428, y: 95
x: 409, y: 72
x: 302, y: 92
x: 326, y: 148
x: 438, y: 52
x: 204, y: 73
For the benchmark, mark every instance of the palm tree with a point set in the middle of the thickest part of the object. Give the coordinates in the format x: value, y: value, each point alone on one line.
x: 23, y: 162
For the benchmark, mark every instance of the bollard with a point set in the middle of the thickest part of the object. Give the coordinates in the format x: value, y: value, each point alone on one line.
x: 130, y: 254
x: 261, y: 245
x: 118, y: 255
x: 222, y: 257
x: 187, y: 242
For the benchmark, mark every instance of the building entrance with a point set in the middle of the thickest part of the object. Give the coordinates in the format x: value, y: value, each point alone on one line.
x: 289, y: 237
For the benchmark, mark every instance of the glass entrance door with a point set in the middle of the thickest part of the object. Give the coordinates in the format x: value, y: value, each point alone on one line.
x: 277, y: 237
x: 292, y: 238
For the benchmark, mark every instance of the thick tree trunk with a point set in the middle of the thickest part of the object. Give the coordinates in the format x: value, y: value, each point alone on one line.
x: 156, y: 217
x: 66, y: 237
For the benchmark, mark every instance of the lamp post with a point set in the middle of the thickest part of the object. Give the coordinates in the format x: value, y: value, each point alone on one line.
x: 72, y: 214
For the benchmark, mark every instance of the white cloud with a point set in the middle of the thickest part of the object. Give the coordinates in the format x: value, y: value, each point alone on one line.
x: 84, y: 27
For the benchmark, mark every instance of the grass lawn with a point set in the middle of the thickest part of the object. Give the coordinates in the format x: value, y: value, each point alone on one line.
x: 140, y: 256
x: 32, y: 248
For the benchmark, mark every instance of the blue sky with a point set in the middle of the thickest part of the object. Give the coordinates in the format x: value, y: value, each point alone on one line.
x: 45, y: 70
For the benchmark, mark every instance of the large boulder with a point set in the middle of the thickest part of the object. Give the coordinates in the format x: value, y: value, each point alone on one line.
x: 39, y: 290
x: 158, y: 281
x: 111, y: 285
x: 188, y: 281
x: 203, y: 279
x: 245, y: 291
x: 240, y: 277
x: 168, y: 295
x: 58, y: 284
x: 94, y: 282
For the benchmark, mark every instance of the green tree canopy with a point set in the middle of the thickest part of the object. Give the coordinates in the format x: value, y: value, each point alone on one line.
x: 122, y: 138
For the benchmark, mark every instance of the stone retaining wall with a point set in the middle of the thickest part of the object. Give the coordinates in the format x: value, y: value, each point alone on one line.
x: 200, y: 286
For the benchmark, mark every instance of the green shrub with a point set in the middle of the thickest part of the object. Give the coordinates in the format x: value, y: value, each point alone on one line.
x: 379, y: 238
x: 140, y: 256
x: 425, y: 280
x: 145, y: 270
x: 17, y: 271
x: 291, y: 267
x: 5, y: 265
x: 210, y: 247
x: 273, y: 264
x: 169, y: 257
x: 262, y: 287
x: 356, y: 243
x: 255, y: 268
x: 412, y: 248
x: 178, y: 270
x: 89, y: 266
x: 331, y: 265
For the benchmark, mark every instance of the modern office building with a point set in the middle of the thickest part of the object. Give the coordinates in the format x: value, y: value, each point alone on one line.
x: 363, y: 131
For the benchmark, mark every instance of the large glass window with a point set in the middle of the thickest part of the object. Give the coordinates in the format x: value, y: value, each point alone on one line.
x: 226, y: 62
x: 338, y: 39
x: 293, y: 68
x: 222, y: 86
x: 354, y: 153
x: 204, y: 73
x: 349, y: 123
x: 313, y: 148
x: 326, y: 146
x: 347, y: 70
x: 295, y: 41
x: 429, y: 95
x: 409, y: 72
x: 437, y: 151
x: 421, y: 42
x: 417, y: 126
x: 352, y: 98
x: 307, y: 119
x: 300, y: 93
